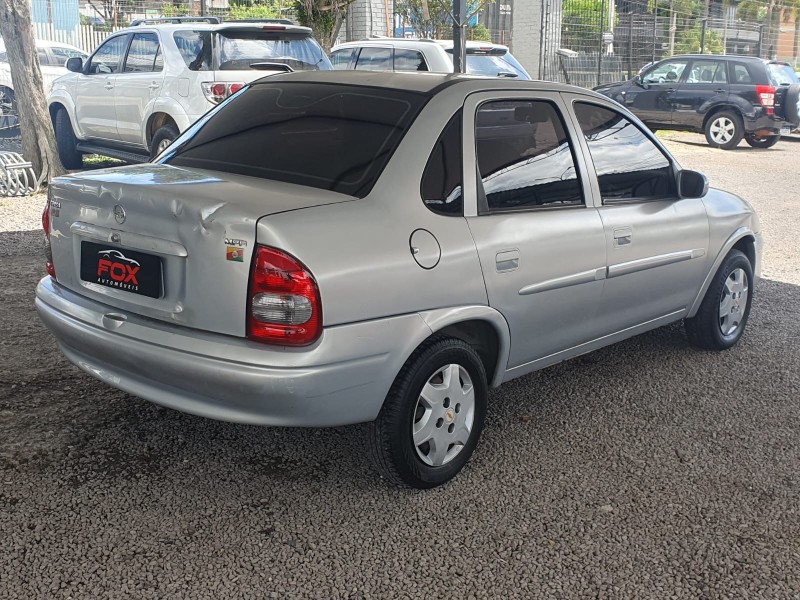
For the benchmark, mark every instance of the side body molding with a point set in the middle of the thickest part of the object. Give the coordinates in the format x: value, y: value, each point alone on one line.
x: 440, y: 318
x: 741, y: 232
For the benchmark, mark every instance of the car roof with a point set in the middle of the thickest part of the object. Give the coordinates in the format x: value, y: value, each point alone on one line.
x: 414, y: 43
x: 714, y: 57
x: 47, y: 44
x: 423, y: 82
x: 229, y: 25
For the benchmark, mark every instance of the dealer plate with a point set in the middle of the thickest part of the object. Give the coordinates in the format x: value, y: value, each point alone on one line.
x: 121, y: 269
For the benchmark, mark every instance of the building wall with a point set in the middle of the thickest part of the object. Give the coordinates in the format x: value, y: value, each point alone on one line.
x: 525, y: 34
x: 366, y: 18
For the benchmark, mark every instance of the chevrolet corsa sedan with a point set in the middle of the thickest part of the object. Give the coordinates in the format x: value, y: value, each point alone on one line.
x: 332, y: 248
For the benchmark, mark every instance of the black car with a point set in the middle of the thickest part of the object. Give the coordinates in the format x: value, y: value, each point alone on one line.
x: 726, y: 97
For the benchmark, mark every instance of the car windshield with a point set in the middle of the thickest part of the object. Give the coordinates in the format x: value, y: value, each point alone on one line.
x: 238, y: 49
x: 327, y: 136
x: 782, y: 74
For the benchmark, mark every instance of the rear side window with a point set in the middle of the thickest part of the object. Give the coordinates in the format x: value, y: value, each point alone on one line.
x: 375, y: 59
x: 741, y: 74
x: 341, y: 58
x: 441, y: 180
x: 524, y: 156
x: 142, y: 54
x: 326, y: 136
x: 629, y: 165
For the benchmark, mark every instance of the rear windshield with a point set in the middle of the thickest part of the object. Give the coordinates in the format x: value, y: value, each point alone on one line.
x: 241, y: 49
x: 494, y: 65
x: 782, y: 74
x: 327, y: 136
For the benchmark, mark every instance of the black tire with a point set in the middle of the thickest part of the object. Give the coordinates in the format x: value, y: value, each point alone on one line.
x: 67, y: 142
x: 391, y: 435
x: 653, y: 130
x: 729, y: 121
x: 768, y: 141
x: 791, y: 103
x: 9, y: 119
x: 704, y: 330
x: 167, y: 133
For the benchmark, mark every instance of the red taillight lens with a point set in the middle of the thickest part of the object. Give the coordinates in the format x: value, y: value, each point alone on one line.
x: 216, y: 92
x: 48, y: 251
x: 284, y: 306
x: 766, y: 95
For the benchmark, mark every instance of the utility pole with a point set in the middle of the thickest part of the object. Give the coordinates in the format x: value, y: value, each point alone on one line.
x: 459, y: 37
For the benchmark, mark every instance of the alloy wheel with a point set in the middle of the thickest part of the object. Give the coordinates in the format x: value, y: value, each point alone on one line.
x: 722, y: 130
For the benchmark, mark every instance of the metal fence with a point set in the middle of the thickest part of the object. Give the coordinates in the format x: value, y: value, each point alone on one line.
x: 590, y: 42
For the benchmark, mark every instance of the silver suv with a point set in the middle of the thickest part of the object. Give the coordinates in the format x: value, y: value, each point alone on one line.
x: 334, y: 248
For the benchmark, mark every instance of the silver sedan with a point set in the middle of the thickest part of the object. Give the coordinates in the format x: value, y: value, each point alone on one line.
x: 333, y: 248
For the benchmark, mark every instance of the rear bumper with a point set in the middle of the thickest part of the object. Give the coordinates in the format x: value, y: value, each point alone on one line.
x: 762, y: 124
x: 342, y: 379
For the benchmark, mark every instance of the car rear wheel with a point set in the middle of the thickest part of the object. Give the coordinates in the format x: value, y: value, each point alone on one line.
x: 163, y: 137
x: 722, y: 317
x: 724, y: 130
x: 66, y: 142
x: 767, y: 141
x: 433, y: 415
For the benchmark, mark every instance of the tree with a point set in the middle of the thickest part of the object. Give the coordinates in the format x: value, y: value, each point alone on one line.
x: 38, y: 139
x: 432, y: 18
x: 324, y: 17
x: 690, y: 40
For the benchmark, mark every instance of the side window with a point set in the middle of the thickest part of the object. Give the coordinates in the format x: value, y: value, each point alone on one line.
x: 195, y: 48
x: 442, y: 178
x: 63, y: 54
x: 107, y: 58
x: 666, y: 72
x: 741, y: 74
x: 707, y: 71
x: 628, y: 165
x: 142, y: 54
x: 409, y: 60
x: 341, y: 58
x: 44, y: 58
x: 375, y: 59
x: 524, y: 156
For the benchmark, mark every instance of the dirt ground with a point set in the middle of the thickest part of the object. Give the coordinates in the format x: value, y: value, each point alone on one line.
x: 644, y: 470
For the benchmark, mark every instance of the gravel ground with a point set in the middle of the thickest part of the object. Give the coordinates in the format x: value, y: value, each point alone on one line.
x: 644, y: 470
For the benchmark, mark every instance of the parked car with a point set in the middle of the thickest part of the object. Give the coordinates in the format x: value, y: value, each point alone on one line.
x: 333, y: 248
x: 146, y: 84
x: 726, y: 97
x: 391, y: 54
x: 52, y: 60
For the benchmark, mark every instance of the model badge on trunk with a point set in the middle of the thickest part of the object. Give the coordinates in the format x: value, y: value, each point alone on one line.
x: 119, y: 214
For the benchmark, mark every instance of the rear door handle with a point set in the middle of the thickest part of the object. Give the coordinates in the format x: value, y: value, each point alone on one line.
x: 154, y: 86
x: 506, y: 260
x: 109, y: 86
x: 623, y: 236
x: 720, y: 91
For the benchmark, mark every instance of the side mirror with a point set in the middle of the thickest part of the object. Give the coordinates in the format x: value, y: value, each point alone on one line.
x: 636, y: 80
x: 75, y: 64
x: 692, y: 184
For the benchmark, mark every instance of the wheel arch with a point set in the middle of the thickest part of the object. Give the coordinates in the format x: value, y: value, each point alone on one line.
x: 744, y: 240
x: 484, y: 328
x: 156, y: 121
x: 712, y: 110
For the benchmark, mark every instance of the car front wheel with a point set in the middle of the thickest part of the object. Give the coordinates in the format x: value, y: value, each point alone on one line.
x: 722, y: 317
x: 433, y: 415
x: 767, y: 141
x: 724, y: 130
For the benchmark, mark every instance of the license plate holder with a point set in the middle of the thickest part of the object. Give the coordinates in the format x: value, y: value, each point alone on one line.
x: 121, y: 269
x: 786, y: 130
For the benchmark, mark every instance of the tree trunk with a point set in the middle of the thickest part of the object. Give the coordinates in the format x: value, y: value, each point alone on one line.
x: 38, y: 139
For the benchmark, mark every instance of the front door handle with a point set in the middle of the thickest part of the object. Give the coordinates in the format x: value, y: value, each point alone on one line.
x: 720, y: 91
x: 109, y: 86
x: 154, y: 86
x: 506, y: 260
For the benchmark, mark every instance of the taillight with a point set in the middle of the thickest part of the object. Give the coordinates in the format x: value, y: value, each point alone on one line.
x: 284, y: 306
x: 48, y: 250
x: 216, y: 91
x: 766, y: 95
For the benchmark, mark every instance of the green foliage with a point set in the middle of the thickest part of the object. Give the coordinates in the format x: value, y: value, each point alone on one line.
x: 254, y: 10
x: 324, y: 17
x: 581, y: 24
x: 480, y: 33
x: 689, y: 42
x: 435, y: 23
x: 168, y: 9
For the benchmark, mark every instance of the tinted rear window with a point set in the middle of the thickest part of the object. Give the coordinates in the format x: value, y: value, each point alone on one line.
x: 331, y: 137
x: 782, y: 74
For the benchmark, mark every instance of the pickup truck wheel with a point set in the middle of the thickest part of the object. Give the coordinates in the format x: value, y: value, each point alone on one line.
x: 163, y: 137
x: 722, y: 317
x: 433, y: 415
x: 768, y: 141
x: 724, y: 130
x: 66, y: 142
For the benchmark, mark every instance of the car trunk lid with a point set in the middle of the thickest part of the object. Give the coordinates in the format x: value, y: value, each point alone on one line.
x: 166, y: 242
